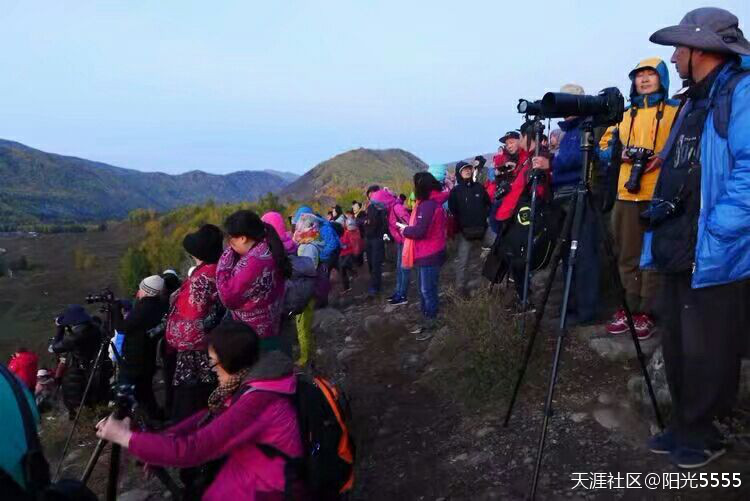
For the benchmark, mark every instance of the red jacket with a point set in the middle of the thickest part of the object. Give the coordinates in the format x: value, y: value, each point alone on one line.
x: 193, y: 302
x: 517, y: 187
x: 351, y: 243
x: 24, y: 365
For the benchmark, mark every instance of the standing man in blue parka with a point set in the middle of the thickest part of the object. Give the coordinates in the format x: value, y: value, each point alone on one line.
x: 700, y: 233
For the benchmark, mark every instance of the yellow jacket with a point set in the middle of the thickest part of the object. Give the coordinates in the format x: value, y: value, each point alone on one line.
x: 641, y: 130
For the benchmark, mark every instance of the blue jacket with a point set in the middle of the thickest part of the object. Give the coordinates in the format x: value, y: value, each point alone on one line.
x: 722, y: 253
x: 331, y: 241
x: 566, y: 164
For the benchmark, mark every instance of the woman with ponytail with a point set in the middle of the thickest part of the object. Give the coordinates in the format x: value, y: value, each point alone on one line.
x: 251, y: 275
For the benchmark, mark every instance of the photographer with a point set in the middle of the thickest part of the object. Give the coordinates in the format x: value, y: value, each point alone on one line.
x: 79, y: 339
x: 469, y: 203
x: 504, y: 163
x: 642, y: 133
x: 565, y: 170
x: 138, y: 348
x: 700, y: 240
x: 249, y: 412
x: 186, y: 329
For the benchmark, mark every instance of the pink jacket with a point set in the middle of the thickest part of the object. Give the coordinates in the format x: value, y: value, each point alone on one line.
x: 252, y: 288
x: 429, y: 231
x: 397, y: 213
x: 263, y: 414
x: 277, y: 221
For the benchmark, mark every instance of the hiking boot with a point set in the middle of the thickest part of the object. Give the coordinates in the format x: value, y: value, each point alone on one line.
x: 618, y: 324
x: 644, y: 326
x: 398, y: 301
x: 662, y: 443
x: 690, y: 458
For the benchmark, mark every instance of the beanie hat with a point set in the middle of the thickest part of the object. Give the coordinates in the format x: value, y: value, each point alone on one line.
x: 205, y: 244
x: 152, y: 286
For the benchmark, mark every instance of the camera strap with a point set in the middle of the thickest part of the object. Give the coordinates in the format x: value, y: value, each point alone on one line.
x: 659, y: 116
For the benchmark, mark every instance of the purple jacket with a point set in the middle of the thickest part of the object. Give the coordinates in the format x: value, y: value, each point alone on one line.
x: 429, y: 232
x: 397, y: 213
x: 263, y: 414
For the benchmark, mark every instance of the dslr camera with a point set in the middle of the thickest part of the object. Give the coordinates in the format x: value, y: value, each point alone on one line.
x: 106, y: 296
x: 640, y: 157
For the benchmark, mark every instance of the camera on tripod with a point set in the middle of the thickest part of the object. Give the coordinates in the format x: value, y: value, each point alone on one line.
x: 640, y: 157
x: 124, y: 400
x: 106, y: 297
x: 605, y: 109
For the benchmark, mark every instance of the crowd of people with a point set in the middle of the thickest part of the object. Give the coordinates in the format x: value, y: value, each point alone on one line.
x: 674, y: 176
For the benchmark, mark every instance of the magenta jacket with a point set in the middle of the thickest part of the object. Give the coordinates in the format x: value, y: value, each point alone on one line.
x: 252, y: 288
x: 263, y: 414
x: 277, y: 221
x: 397, y: 213
x: 430, y: 231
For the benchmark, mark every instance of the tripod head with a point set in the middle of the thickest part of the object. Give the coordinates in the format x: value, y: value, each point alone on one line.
x: 124, y: 401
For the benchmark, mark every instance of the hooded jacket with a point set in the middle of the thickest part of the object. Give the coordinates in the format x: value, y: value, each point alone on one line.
x: 252, y: 288
x: 430, y: 231
x: 263, y: 413
x: 722, y: 251
x: 469, y: 203
x: 642, y: 127
x: 397, y: 213
x: 330, y: 238
x: 277, y: 221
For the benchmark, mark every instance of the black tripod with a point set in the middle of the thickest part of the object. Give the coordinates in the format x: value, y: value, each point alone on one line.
x: 570, y: 234
x: 125, y: 406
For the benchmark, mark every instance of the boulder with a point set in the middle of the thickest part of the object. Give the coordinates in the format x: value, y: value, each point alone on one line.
x: 326, y: 318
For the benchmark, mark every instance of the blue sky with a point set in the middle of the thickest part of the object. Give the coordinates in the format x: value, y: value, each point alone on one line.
x: 228, y: 85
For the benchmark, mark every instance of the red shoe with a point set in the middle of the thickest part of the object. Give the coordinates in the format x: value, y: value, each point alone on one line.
x: 644, y: 326
x: 618, y: 324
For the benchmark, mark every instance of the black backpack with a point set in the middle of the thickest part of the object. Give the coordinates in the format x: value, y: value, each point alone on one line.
x: 327, y: 466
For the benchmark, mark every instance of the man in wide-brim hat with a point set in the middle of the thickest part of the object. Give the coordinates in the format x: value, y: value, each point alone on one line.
x: 700, y: 234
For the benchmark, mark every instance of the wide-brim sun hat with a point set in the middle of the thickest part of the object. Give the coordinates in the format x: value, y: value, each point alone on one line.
x: 708, y: 28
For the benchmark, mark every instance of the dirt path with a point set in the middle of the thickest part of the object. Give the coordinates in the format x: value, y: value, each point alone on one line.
x: 415, y: 443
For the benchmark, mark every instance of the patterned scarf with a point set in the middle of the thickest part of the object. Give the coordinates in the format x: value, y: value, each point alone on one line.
x: 224, y: 391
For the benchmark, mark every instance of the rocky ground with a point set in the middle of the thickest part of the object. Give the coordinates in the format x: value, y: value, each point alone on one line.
x: 419, y: 439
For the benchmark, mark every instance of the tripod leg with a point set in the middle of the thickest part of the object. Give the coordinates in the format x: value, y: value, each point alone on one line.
x: 611, y: 257
x: 95, y: 366
x: 93, y: 460
x: 579, y: 207
x: 114, y: 472
x: 554, y: 262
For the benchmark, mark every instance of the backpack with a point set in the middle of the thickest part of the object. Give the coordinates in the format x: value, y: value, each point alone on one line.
x: 327, y: 465
x: 300, y: 288
x: 35, y: 466
x: 722, y: 104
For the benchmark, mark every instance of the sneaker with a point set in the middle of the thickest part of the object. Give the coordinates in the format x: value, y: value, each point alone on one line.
x: 398, y: 301
x: 424, y: 336
x: 417, y: 329
x: 662, y: 443
x: 644, y: 326
x: 618, y: 324
x: 392, y: 297
x: 690, y: 458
